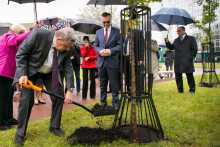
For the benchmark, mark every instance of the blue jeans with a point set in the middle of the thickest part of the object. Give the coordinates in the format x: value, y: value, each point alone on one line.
x: 77, y: 73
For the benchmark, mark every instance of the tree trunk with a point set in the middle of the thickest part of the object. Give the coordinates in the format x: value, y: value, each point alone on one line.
x: 133, y: 84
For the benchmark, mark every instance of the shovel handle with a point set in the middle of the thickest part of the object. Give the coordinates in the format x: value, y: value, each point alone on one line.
x: 30, y: 85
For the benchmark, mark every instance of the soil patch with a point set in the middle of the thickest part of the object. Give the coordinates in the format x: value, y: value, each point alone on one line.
x: 94, y: 136
x: 100, y: 110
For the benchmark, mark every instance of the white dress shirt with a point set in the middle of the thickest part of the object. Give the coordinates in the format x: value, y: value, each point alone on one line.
x: 47, y: 66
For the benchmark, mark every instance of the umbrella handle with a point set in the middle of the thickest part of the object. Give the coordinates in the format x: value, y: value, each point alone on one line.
x: 30, y: 85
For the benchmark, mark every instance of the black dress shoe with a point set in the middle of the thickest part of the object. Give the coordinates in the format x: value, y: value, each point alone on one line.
x: 161, y: 77
x: 103, y: 105
x: 109, y: 91
x: 3, y: 128
x: 84, y: 98
x: 41, y: 102
x: 19, y: 141
x: 57, y: 131
x: 92, y: 97
x: 116, y: 107
x: 12, y: 121
x: 179, y: 91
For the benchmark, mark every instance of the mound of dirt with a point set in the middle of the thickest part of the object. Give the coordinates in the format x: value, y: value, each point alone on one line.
x: 94, y: 136
x: 99, y: 110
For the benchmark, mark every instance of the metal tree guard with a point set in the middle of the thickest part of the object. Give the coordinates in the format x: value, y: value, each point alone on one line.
x: 209, y: 77
x: 137, y: 116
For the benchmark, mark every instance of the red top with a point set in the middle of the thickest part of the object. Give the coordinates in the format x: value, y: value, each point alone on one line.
x: 92, y: 57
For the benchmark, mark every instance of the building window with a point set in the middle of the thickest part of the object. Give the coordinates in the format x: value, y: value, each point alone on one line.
x: 216, y: 43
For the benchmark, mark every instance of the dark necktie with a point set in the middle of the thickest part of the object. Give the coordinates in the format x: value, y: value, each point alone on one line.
x: 55, y: 81
x: 181, y: 39
x: 106, y: 35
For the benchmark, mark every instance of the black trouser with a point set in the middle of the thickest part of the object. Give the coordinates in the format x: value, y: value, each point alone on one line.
x: 6, y: 100
x: 26, y: 103
x: 190, y: 79
x: 85, y: 82
x: 171, y: 68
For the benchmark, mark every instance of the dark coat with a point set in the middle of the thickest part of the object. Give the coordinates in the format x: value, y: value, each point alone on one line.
x: 76, y: 54
x: 169, y: 57
x: 33, y: 52
x: 185, y: 52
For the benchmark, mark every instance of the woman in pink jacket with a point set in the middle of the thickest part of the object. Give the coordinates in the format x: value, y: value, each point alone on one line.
x: 9, y: 44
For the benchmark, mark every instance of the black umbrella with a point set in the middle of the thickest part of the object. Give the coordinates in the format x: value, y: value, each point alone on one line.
x: 155, y: 26
x: 71, y: 20
x: 107, y: 2
x: 87, y: 26
x: 32, y: 1
x: 4, y: 27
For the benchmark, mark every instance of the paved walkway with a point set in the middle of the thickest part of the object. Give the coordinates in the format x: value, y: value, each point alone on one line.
x: 40, y: 111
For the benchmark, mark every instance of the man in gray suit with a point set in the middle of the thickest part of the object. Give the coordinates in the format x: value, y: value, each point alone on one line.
x: 107, y: 46
x: 36, y: 59
x: 185, y: 51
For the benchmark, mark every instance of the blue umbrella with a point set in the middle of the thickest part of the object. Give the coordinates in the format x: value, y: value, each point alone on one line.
x: 172, y: 16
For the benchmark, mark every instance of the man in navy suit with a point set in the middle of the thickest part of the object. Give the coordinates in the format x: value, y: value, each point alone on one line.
x: 107, y: 46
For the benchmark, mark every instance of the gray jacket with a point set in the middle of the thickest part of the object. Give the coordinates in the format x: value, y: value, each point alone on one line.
x: 169, y: 57
x: 33, y: 52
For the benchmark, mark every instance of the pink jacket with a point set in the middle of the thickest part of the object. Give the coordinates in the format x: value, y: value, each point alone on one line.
x: 9, y: 44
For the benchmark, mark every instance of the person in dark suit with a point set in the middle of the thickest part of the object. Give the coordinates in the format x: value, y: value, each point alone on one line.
x: 169, y: 60
x: 138, y: 42
x: 42, y: 54
x: 75, y: 58
x: 185, y: 51
x: 107, y: 46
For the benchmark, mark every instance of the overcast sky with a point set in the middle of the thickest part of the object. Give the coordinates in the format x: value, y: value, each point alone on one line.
x: 22, y: 13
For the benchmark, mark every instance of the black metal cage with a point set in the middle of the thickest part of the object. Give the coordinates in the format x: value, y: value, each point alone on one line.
x: 136, y: 115
x: 209, y: 77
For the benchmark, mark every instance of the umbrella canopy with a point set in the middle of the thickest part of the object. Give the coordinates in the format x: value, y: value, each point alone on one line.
x: 172, y: 16
x: 4, y: 27
x: 53, y: 23
x: 87, y: 26
x: 155, y: 26
x: 32, y: 1
x: 106, y: 2
x: 162, y: 45
x: 71, y: 20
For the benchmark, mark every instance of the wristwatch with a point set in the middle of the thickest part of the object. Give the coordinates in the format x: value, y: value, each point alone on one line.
x: 70, y: 89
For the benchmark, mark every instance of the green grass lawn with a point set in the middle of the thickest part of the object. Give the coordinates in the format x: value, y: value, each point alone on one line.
x: 199, y: 65
x: 187, y: 120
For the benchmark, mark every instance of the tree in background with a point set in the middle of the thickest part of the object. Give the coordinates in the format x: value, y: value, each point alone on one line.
x: 92, y: 12
x: 208, y: 16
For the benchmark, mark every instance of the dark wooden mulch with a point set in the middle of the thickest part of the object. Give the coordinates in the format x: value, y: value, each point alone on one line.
x: 94, y: 136
x: 99, y: 110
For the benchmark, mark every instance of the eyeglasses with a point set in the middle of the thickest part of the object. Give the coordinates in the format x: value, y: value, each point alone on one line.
x: 179, y: 31
x: 105, y: 22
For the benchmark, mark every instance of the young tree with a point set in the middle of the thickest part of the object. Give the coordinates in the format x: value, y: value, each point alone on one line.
x: 208, y: 16
x: 131, y: 25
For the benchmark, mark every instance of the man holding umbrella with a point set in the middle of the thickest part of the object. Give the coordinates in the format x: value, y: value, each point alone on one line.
x: 185, y: 51
x: 107, y: 46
